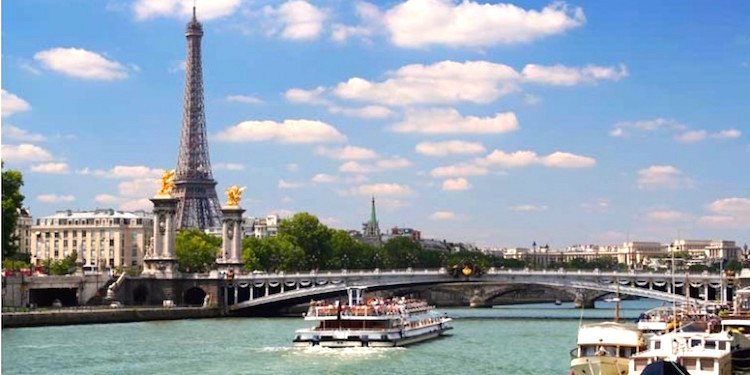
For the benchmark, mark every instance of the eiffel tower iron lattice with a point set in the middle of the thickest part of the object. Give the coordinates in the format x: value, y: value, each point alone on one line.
x: 198, y: 205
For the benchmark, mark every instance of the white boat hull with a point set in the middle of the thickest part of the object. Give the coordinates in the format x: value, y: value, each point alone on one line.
x: 599, y: 366
x: 409, y: 337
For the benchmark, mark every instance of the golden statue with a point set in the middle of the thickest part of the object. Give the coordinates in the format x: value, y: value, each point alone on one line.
x: 234, y: 195
x: 167, y: 183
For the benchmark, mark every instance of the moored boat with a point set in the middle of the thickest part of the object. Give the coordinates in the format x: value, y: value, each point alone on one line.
x: 376, y: 322
x: 605, y: 349
x: 700, y: 353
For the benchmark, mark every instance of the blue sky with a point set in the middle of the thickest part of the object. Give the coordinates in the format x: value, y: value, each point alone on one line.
x: 494, y: 123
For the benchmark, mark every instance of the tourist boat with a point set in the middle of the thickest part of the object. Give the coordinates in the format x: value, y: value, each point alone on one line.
x: 737, y: 324
x: 376, y: 322
x: 701, y: 353
x: 605, y: 349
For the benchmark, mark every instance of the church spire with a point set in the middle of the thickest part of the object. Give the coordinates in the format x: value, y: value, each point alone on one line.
x: 373, y: 217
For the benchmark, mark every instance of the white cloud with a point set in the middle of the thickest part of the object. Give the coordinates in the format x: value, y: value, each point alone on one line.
x: 12, y: 104
x: 229, y: 166
x: 247, y: 99
x: 727, y: 134
x: 136, y: 205
x: 513, y: 159
x: 291, y: 167
x: 471, y: 81
x: 442, y: 82
x: 124, y: 171
x: 382, y: 189
x: 449, y: 121
x: 525, y: 158
x: 295, y: 20
x: 371, y: 23
x: 728, y: 213
x: 106, y: 199
x: 52, y: 168
x: 347, y: 153
x: 567, y: 160
x: 379, y: 166
x: 626, y: 128
x: 528, y: 208
x: 662, y: 177
x: 312, y: 96
x: 289, y: 131
x: 205, y: 9
x: 560, y: 75
x: 599, y: 205
x: 393, y: 163
x: 177, y: 66
x: 692, y: 136
x: 531, y: 99
x: 138, y: 188
x: 24, y: 152
x: 444, y: 215
x: 290, y: 184
x: 449, y: 148
x: 55, y: 198
x: 422, y: 23
x: 356, y: 179
x: 368, y: 112
x: 80, y: 63
x: 459, y: 170
x: 356, y: 167
x: 322, y: 178
x: 18, y: 134
x: 456, y: 184
x: 667, y: 215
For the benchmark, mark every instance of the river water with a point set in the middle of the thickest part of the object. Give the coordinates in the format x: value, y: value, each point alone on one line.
x: 509, y: 340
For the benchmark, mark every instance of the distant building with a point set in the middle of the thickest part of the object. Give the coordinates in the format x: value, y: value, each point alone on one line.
x: 23, y: 231
x: 410, y: 233
x: 371, y: 230
x: 105, y: 238
x: 261, y: 227
x: 707, y: 251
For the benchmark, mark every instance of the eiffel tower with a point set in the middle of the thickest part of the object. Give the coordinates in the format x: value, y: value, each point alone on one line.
x: 198, y: 206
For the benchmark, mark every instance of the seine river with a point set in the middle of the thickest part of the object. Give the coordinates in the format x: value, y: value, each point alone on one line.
x: 509, y: 340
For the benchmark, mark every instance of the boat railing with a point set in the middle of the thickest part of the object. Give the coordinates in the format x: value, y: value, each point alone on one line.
x: 368, y: 310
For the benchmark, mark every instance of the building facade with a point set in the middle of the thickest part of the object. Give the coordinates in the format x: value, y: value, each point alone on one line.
x: 23, y: 231
x: 104, y: 238
x: 260, y: 227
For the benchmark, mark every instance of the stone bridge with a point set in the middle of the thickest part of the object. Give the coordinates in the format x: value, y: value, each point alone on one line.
x: 254, y: 293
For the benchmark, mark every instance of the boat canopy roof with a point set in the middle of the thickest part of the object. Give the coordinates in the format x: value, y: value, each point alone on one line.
x: 609, y: 333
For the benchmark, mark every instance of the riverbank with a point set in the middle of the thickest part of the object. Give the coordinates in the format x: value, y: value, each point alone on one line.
x: 104, y: 315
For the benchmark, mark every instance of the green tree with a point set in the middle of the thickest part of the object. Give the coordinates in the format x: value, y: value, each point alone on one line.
x: 305, y: 231
x: 60, y: 267
x: 272, y: 254
x: 196, y: 251
x: 12, y: 202
x: 734, y: 265
x: 402, y: 252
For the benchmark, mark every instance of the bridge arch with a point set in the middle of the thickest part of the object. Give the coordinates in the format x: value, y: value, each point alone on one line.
x: 194, y: 296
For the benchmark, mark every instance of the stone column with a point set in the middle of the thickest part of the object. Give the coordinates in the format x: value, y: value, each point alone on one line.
x: 161, y: 261
x: 231, y: 239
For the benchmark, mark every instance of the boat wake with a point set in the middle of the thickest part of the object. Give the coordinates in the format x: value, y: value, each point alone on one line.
x: 345, y: 353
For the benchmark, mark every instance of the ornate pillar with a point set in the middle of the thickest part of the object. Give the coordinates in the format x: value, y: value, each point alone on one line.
x: 161, y: 261
x: 231, y: 233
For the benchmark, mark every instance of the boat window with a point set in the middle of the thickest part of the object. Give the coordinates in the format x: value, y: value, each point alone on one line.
x: 690, y: 363
x: 588, y: 351
x: 657, y: 345
x: 626, y: 351
x: 640, y: 364
x: 707, y: 364
x: 710, y: 344
x: 722, y: 345
x: 694, y: 343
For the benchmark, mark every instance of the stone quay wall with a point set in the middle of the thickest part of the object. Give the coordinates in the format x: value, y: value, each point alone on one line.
x: 114, y: 315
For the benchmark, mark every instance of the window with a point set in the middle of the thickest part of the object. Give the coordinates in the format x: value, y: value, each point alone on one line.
x: 706, y: 364
x: 138, y: 221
